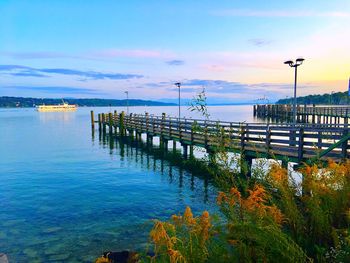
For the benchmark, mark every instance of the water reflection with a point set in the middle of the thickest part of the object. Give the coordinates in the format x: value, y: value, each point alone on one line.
x: 45, y: 117
x: 154, y: 159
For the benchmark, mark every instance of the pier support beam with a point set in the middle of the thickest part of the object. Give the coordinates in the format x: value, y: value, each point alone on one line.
x: 92, y: 120
x: 246, y: 166
x: 185, y: 150
x: 104, y: 123
x: 99, y: 122
x: 165, y: 144
x: 149, y: 139
x: 191, y: 152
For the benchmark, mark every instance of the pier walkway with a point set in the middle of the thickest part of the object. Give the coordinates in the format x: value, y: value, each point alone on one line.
x: 287, y: 142
x: 306, y: 113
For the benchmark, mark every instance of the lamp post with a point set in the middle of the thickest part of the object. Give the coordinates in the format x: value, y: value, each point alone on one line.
x: 127, y: 102
x: 178, y: 84
x: 295, y: 65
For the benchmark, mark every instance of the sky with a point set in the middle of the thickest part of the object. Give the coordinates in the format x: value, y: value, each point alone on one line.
x: 234, y: 50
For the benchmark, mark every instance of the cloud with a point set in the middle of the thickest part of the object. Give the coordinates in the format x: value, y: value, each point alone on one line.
x: 12, y: 67
x: 278, y: 13
x: 227, y: 88
x: 175, y: 62
x: 57, y: 89
x: 259, y: 42
x: 130, y: 53
x: 24, y: 71
x: 36, y: 55
x: 90, y: 74
x: 28, y: 74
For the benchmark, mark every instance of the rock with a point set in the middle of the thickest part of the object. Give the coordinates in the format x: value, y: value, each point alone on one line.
x: 3, y: 258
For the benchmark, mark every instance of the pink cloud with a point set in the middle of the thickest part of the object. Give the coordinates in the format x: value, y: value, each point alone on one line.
x: 132, y: 53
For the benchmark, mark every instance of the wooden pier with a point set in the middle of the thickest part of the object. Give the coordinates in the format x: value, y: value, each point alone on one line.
x: 305, y: 113
x: 286, y: 142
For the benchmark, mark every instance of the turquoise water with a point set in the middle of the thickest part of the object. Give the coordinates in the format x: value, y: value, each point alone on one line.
x: 66, y: 197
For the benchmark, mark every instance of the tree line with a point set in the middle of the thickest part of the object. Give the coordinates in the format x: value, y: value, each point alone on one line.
x: 11, y: 102
x: 336, y: 98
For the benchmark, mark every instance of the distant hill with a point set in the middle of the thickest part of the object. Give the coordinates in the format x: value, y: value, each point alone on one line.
x: 10, y: 102
x: 337, y: 98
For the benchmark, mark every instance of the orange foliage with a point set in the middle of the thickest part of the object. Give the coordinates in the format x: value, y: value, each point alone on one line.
x: 255, y: 203
x: 163, y: 234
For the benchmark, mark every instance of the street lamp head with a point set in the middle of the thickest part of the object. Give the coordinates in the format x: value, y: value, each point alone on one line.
x: 300, y: 61
x: 177, y: 84
x: 289, y: 62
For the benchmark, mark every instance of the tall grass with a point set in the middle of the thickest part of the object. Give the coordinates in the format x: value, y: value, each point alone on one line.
x: 269, y: 221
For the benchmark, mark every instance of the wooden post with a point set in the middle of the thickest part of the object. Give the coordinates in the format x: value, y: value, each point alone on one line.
x: 191, y: 152
x: 99, y: 122
x: 242, y: 143
x: 165, y: 144
x: 147, y: 121
x: 110, y: 122
x: 206, y: 139
x: 185, y: 150
x: 174, y: 146
x: 292, y: 137
x: 301, y: 145
x: 248, y: 161
x: 104, y: 122
x: 268, y: 140
x: 344, y: 148
x: 92, y: 120
x: 163, y: 123
x: 121, y: 124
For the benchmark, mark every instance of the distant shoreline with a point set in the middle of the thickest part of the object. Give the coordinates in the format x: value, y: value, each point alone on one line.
x: 21, y: 102
x: 27, y: 102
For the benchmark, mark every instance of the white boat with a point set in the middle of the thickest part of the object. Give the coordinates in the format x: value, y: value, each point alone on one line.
x: 60, y: 107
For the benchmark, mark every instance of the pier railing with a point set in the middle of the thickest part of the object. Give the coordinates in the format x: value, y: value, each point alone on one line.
x: 305, y: 113
x: 295, y: 143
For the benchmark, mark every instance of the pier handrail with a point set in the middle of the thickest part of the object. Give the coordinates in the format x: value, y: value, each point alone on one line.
x: 298, y: 142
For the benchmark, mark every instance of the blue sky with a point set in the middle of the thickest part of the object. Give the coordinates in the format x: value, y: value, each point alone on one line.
x: 233, y: 49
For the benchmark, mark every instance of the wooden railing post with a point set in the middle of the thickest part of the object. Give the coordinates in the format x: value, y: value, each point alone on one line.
x: 104, y: 122
x: 242, y: 138
x: 230, y: 135
x: 147, y: 120
x: 99, y: 122
x: 301, y: 144
x: 110, y: 123
x: 121, y: 123
x: 170, y: 127
x: 344, y: 147
x: 162, y: 124
x: 192, y: 133
x: 268, y: 140
x: 115, y: 119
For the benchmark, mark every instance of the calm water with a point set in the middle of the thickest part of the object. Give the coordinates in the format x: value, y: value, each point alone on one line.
x: 65, y: 197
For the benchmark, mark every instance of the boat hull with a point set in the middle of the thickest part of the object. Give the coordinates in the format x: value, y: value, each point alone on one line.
x: 50, y: 108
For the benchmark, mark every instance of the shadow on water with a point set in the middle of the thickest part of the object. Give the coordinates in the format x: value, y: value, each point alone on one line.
x: 151, y: 157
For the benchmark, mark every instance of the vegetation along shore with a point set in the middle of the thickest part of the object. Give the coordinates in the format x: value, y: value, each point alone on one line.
x: 12, y: 102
